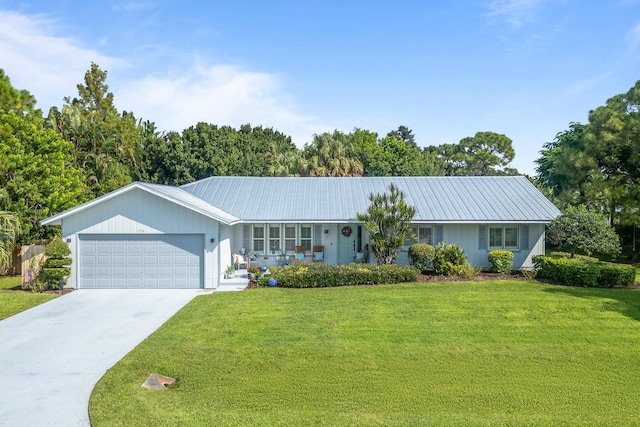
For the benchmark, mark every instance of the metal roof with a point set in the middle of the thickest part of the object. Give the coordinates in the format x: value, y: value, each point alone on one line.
x: 436, y: 199
x: 172, y: 194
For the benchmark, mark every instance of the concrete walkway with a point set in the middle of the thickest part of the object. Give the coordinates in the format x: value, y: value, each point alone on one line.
x: 52, y: 355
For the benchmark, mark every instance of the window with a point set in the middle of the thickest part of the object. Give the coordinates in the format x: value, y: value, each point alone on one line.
x: 258, y: 239
x: 305, y: 237
x: 274, y: 238
x: 423, y: 235
x: 503, y: 236
x: 289, y: 237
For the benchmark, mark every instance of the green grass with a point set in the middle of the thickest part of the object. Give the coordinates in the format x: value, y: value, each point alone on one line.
x: 14, y: 300
x: 486, y: 353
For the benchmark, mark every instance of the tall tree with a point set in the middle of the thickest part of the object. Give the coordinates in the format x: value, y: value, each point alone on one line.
x: 485, y: 153
x: 388, y: 220
x: 332, y: 155
x: 107, y: 143
x: 20, y: 102
x: 37, y: 173
x: 405, y: 135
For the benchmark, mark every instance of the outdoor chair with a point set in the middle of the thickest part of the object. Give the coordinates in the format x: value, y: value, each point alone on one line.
x: 299, y: 255
x: 318, y: 254
x: 239, y: 262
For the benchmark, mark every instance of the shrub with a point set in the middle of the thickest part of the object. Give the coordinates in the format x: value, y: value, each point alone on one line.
x: 559, y: 254
x: 327, y: 275
x: 580, y: 272
x: 450, y: 260
x: 54, y: 271
x: 421, y: 255
x: 616, y: 275
x: 501, y: 261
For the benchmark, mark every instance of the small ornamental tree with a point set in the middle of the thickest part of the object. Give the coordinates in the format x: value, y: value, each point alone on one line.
x: 581, y: 229
x: 388, y: 220
x: 55, y: 269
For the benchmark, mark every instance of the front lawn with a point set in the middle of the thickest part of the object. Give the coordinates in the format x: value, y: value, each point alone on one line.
x: 14, y: 300
x: 484, y: 353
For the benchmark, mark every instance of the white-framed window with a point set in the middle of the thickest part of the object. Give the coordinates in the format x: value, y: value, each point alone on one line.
x: 258, y: 239
x: 423, y: 234
x: 503, y: 237
x: 306, y: 236
x: 290, y: 237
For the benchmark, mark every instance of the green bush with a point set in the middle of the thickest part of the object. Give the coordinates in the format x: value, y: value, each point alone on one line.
x: 57, y: 249
x: 501, y: 261
x: 581, y: 272
x: 54, y: 271
x: 327, y: 275
x: 421, y: 255
x: 559, y: 254
x: 450, y: 260
x: 616, y: 275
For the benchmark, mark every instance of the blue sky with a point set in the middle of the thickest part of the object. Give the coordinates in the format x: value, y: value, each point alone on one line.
x: 448, y: 69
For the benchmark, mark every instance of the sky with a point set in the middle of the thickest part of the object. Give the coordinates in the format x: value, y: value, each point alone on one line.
x: 445, y: 69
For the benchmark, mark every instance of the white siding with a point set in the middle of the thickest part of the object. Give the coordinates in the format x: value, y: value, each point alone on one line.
x: 138, y: 212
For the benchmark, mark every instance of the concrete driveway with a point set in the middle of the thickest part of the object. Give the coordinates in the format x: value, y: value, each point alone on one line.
x: 52, y: 355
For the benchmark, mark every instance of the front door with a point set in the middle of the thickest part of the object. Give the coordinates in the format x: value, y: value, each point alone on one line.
x: 347, y: 235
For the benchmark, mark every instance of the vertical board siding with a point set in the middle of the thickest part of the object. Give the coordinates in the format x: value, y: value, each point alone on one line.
x: 483, y: 238
x: 138, y: 212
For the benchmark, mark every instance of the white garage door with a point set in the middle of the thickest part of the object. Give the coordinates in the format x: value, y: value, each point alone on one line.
x: 141, y: 261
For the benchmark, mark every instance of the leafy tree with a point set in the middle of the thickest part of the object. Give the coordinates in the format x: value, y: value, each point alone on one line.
x: 36, y: 173
x: 390, y: 156
x: 20, y: 102
x: 388, y: 220
x: 486, y: 153
x: 9, y: 230
x: 568, y: 170
x: 332, y: 155
x: 107, y: 144
x: 405, y: 135
x: 581, y: 229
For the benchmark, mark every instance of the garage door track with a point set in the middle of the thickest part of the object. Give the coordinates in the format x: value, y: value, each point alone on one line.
x: 52, y: 355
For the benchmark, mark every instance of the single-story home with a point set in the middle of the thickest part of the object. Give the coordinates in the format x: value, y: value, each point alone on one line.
x: 158, y: 236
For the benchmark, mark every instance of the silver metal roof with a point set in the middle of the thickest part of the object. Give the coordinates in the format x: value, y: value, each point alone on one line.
x: 173, y: 194
x: 436, y: 199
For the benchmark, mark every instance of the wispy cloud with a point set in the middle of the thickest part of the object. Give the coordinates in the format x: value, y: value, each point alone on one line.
x: 514, y: 12
x: 47, y: 65
x: 220, y: 94
x: 634, y: 36
x: 37, y: 58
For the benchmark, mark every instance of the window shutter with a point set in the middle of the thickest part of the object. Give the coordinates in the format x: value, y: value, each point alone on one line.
x: 246, y: 237
x: 482, y: 238
x: 438, y: 234
x: 524, y: 237
x: 317, y: 234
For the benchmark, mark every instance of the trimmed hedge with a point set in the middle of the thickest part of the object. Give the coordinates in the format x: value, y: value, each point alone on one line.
x: 327, y: 275
x: 501, y: 261
x: 580, y: 272
x: 421, y: 255
x: 558, y: 254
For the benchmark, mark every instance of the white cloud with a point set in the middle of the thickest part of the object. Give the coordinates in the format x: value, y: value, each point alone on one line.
x: 50, y: 66
x: 47, y: 65
x: 218, y: 94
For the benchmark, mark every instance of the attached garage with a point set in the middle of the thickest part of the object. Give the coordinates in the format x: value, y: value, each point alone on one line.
x: 141, y: 261
x: 145, y: 236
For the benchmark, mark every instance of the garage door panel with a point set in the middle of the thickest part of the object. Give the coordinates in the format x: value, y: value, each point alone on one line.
x: 141, y: 261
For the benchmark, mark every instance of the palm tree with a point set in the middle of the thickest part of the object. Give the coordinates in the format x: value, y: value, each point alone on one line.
x: 331, y: 155
x: 9, y: 230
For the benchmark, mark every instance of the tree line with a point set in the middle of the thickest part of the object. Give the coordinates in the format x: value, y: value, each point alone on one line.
x: 87, y: 148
